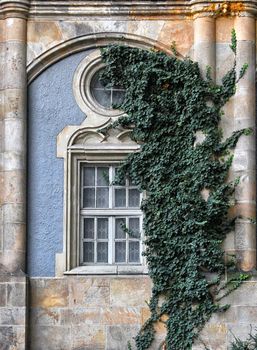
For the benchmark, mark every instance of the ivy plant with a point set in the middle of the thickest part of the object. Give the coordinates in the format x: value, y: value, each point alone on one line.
x: 183, y: 163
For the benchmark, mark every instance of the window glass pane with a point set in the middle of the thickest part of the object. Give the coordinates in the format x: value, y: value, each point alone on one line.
x: 119, y: 224
x: 134, y: 227
x: 89, y: 176
x: 134, y: 198
x: 120, y: 197
x: 118, y: 97
x: 88, y: 198
x: 88, y: 252
x: 120, y: 252
x: 121, y: 183
x: 102, y: 197
x: 102, y: 228
x: 134, y: 252
x: 102, y: 252
x: 103, y: 176
x: 102, y: 96
x: 89, y: 228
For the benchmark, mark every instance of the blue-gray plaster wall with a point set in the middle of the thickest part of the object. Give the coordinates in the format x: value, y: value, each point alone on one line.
x: 51, y: 108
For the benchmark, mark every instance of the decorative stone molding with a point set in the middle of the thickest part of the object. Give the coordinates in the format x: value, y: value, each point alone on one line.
x: 14, y: 8
x: 82, y: 87
x: 138, y: 8
x: 86, y: 42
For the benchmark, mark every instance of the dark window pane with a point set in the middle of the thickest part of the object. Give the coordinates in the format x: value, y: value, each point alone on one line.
x: 134, y: 198
x: 118, y: 97
x: 88, y: 252
x: 134, y: 252
x: 120, y: 197
x: 102, y: 97
x: 102, y: 228
x: 121, y: 183
x: 89, y: 228
x: 119, y: 231
x: 134, y: 227
x: 88, y: 198
x: 102, y: 252
x: 102, y: 197
x: 88, y: 176
x: 103, y: 176
x: 120, y: 252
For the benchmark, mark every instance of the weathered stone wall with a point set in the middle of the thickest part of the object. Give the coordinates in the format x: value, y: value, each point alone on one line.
x: 13, y: 312
x: 104, y: 312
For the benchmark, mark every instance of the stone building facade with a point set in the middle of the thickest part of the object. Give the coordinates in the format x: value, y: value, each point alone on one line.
x: 49, y: 127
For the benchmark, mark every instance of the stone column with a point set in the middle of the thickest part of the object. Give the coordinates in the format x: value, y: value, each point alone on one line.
x: 245, y: 156
x: 14, y: 91
x: 204, y: 43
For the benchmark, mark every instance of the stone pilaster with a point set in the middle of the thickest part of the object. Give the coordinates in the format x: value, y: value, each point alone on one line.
x: 245, y: 155
x: 204, y: 43
x: 13, y: 196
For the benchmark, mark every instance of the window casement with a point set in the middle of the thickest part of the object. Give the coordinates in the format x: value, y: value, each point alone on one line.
x: 102, y: 220
x: 110, y: 218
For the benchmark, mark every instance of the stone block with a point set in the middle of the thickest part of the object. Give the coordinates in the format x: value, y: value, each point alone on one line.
x: 245, y: 295
x: 88, y: 337
x: 14, y: 186
x: 2, y: 294
x: 245, y: 28
x: 13, y: 161
x: 14, y: 106
x: 45, y: 316
x: 213, y: 336
x: 12, y: 338
x: 16, y: 294
x: 48, y: 293
x: 118, y: 336
x: 15, y: 29
x: 245, y: 237
x: 13, y: 316
x: 43, y: 32
x: 121, y: 316
x: 246, y: 259
x: 81, y: 316
x: 244, y: 107
x: 130, y: 291
x: 15, y: 128
x: 15, y: 66
x: 224, y: 26
x: 204, y: 30
x: 179, y: 31
x: 243, y: 160
x: 89, y: 292
x: 50, y: 337
x: 246, y: 189
x: 14, y: 236
x: 14, y: 213
x: 239, y: 330
x: 147, y: 28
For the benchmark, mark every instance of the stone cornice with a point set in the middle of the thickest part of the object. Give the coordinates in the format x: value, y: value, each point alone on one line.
x: 14, y: 8
x: 147, y: 9
x: 140, y: 8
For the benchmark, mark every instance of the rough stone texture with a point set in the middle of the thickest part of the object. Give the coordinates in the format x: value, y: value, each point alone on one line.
x: 102, y: 313
x: 78, y: 320
x: 13, y: 312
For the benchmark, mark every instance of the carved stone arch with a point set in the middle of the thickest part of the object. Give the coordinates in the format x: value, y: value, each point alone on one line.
x: 89, y: 41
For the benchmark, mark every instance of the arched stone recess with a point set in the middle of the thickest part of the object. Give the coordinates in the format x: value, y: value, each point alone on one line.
x: 86, y: 42
x: 78, y: 145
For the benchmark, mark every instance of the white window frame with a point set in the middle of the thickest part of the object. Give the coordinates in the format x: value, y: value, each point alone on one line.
x: 92, y: 154
x: 111, y: 213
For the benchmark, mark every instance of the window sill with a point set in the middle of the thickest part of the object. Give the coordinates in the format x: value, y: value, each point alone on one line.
x: 108, y: 270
